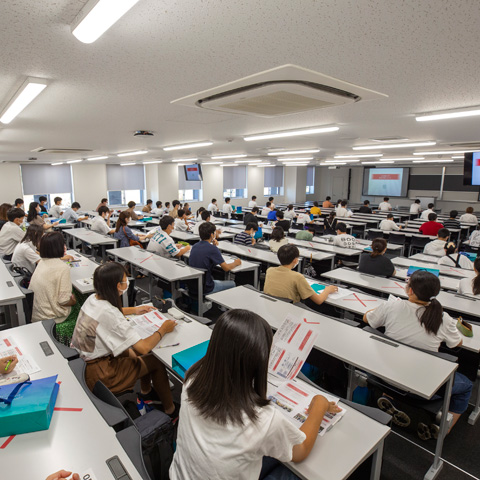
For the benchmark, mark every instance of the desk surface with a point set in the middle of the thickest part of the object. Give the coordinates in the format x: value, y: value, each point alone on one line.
x: 444, y: 269
x: 9, y: 290
x: 84, y: 269
x: 75, y: 440
x: 420, y: 372
x: 93, y: 238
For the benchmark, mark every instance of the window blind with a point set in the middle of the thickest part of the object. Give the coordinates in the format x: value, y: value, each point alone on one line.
x: 234, y: 177
x: 39, y: 179
x: 125, y: 178
x: 310, y: 176
x: 183, y: 184
x: 273, y: 177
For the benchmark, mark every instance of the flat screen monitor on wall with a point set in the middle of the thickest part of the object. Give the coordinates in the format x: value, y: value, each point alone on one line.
x: 193, y: 173
x: 471, y: 169
x: 385, y: 182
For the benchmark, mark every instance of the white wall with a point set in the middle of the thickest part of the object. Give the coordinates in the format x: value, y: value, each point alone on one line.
x: 10, y: 182
x: 89, y: 184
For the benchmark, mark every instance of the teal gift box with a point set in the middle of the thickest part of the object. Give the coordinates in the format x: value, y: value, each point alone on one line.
x: 183, y: 360
x: 28, y: 406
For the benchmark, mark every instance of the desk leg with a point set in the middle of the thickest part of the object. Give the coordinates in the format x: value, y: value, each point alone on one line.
x: 200, y: 296
x: 20, y: 313
x: 299, y: 265
x: 437, y: 464
x: 255, y: 277
x: 377, y: 462
x: 476, y: 411
x: 351, y: 382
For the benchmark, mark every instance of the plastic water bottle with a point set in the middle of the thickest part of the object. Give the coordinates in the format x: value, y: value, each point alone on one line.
x: 141, y: 406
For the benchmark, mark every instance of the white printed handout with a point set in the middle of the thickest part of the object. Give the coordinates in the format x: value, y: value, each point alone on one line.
x: 148, y: 323
x: 26, y: 363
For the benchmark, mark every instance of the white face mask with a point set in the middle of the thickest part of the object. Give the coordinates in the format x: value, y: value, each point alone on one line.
x: 123, y: 291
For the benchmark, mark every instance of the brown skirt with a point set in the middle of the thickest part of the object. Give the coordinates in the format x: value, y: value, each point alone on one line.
x: 117, y: 373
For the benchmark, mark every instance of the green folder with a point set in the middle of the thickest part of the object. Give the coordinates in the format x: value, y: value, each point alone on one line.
x: 183, y: 360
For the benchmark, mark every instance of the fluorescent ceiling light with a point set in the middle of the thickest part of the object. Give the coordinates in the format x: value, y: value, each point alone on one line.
x: 265, y: 165
x: 433, y: 161
x: 295, y: 159
x: 74, y: 161
x: 343, y: 161
x: 129, y: 154
x: 395, y: 145
x: 58, y: 163
x: 185, y: 159
x: 364, y: 155
x: 295, y: 164
x: 127, y: 164
x: 212, y: 163
x: 248, y: 161
x: 455, y: 157
x: 29, y: 90
x: 182, y: 164
x: 334, y: 163
x: 153, y: 161
x: 290, y: 133
x: 92, y: 159
x: 229, y: 165
x: 400, y: 159
x: 292, y: 152
x: 378, y: 163
x: 220, y: 157
x: 97, y: 16
x: 445, y: 153
x: 187, y: 145
x: 475, y: 111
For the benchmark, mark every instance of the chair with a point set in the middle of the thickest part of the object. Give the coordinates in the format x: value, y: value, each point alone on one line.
x: 417, y: 243
x: 131, y: 441
x: 373, y: 234
x: 113, y: 415
x: 398, y: 239
x: 67, y: 352
x: 27, y: 301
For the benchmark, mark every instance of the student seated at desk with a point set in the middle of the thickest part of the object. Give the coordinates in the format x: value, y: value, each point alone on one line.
x: 427, y: 212
x: 227, y: 208
x: 56, y: 210
x: 475, y: 238
x: 158, y: 210
x: 34, y: 217
x: 251, y: 217
x: 246, y: 237
x: 421, y: 322
x: 227, y: 424
x: 437, y: 246
x: 124, y: 233
x: 42, y: 200
x: 181, y: 223
x: 304, y: 218
x: 166, y: 209
x: 19, y: 203
x: 285, y: 224
x: 284, y: 282
x: 11, y: 234
x: 71, y: 216
x: 26, y: 254
x: 103, y: 203
x: 212, y: 206
x: 253, y: 202
x: 415, y: 207
x: 131, y: 210
x: 101, y: 223
x: 376, y: 263
x: 290, y: 213
x: 330, y: 224
x: 198, y: 215
x: 432, y: 226
x: 162, y: 243
x: 343, y: 239
x: 452, y: 222
x: 204, y: 217
x: 270, y: 199
x: 272, y: 216
x: 206, y: 255
x: 342, y: 211
x: 471, y: 286
x: 4, y: 208
x: 147, y: 208
x: 307, y: 234
x: 113, y: 350
x: 469, y: 217
x: 388, y: 224
x: 452, y: 259
x: 385, y: 206
x: 327, y: 203
x: 277, y: 239
x: 365, y: 208
x: 266, y: 209
x: 315, y: 210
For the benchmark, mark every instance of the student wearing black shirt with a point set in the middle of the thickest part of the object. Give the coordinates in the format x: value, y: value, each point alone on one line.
x: 365, y: 208
x: 330, y: 224
x: 251, y: 217
x: 285, y: 224
x: 376, y: 263
x: 42, y: 201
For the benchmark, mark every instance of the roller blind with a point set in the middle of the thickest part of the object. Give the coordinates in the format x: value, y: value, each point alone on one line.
x: 183, y: 184
x: 125, y: 178
x: 40, y: 179
x: 273, y: 177
x: 234, y: 177
x: 310, y: 176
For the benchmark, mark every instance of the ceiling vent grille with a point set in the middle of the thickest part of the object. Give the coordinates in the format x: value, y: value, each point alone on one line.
x: 389, y: 139
x: 61, y: 150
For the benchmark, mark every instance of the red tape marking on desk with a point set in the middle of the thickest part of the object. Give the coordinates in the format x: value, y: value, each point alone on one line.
x: 145, y: 259
x: 7, y: 441
x: 67, y: 409
x: 313, y: 323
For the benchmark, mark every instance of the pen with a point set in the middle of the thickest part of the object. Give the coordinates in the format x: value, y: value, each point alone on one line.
x: 8, y: 365
x: 172, y: 345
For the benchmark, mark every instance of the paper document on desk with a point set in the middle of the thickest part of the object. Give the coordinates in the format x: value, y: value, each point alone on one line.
x: 26, y: 363
x: 340, y: 293
x: 291, y: 346
x: 84, y: 282
x: 293, y: 398
x: 148, y: 323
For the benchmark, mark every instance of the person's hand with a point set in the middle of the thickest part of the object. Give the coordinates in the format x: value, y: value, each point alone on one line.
x: 168, y: 326
x: 144, y: 309
x: 55, y: 223
x: 68, y: 258
x: 331, y: 289
x: 4, y: 362
x: 215, y: 242
x: 63, y: 474
x: 237, y: 262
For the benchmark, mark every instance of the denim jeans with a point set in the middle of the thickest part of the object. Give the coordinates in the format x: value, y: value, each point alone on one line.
x: 221, y: 285
x: 272, y: 469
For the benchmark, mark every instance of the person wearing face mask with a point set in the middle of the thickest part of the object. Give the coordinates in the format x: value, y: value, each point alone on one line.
x: 113, y: 350
x: 12, y: 233
x: 124, y: 233
x: 34, y: 216
x: 246, y: 237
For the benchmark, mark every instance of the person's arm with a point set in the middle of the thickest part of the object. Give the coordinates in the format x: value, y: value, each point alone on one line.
x: 316, y: 411
x: 146, y: 345
x: 183, y: 251
x: 72, y: 301
x: 7, y: 364
x: 138, y: 310
x: 319, y: 298
x: 63, y: 474
x: 226, y: 267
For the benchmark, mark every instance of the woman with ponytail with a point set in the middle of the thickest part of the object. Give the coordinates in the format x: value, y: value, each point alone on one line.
x: 471, y: 286
x: 421, y: 322
x: 453, y: 259
x: 376, y: 263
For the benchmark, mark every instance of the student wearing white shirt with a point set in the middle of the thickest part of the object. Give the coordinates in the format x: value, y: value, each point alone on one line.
x: 426, y: 213
x: 437, y: 247
x: 415, y: 207
x: 227, y: 423
x: 227, y: 208
x: 101, y: 223
x: 290, y: 214
x: 266, y: 209
x: 385, y: 206
x: 11, y: 233
x: 469, y: 217
x: 212, y: 206
x: 342, y: 211
x: 71, y: 216
x: 158, y: 210
x: 270, y: 199
x: 471, y: 286
x: 204, y: 217
x: 453, y: 259
x: 162, y: 243
x: 26, y: 253
x: 166, y: 209
x: 421, y: 322
x: 304, y: 218
x: 56, y: 210
x: 388, y: 224
x: 253, y: 202
x: 343, y: 239
x: 181, y: 223
x: 475, y: 238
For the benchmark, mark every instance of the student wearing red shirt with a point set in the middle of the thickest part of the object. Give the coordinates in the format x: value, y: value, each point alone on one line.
x: 432, y: 226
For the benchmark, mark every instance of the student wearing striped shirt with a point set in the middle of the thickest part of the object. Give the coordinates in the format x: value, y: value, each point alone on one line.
x: 246, y: 237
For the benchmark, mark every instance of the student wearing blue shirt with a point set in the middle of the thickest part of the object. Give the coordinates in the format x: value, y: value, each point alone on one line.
x: 123, y: 231
x: 70, y: 215
x: 272, y: 215
x: 206, y: 255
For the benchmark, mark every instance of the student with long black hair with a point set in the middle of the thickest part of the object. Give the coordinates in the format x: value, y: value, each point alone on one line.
x: 34, y: 216
x: 124, y: 233
x: 421, y: 322
x: 115, y: 353
x: 471, y: 286
x: 227, y: 423
x: 376, y: 263
x: 330, y: 224
x: 453, y: 259
x: 26, y: 253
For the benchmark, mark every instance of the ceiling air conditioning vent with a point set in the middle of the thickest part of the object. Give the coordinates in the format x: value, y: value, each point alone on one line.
x: 389, y: 139
x: 61, y: 150
x: 468, y: 145
x: 280, y: 91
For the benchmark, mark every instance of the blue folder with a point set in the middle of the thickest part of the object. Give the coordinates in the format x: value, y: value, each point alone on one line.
x: 183, y: 360
x: 431, y: 270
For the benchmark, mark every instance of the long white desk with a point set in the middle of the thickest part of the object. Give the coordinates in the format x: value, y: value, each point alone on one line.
x: 444, y: 269
x: 86, y: 236
x: 326, y: 247
x: 407, y: 368
x: 11, y: 296
x: 80, y: 271
x: 446, y: 283
x: 76, y: 440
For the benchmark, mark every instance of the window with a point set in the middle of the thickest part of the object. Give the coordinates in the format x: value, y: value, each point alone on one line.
x: 125, y: 184
x: 49, y: 181
x: 310, y: 180
x: 189, y: 191
x: 273, y: 181
x: 235, y: 182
